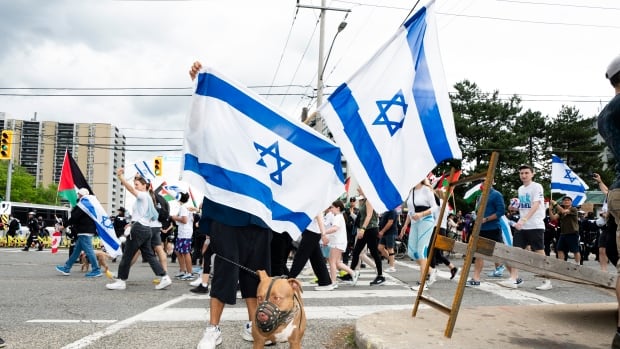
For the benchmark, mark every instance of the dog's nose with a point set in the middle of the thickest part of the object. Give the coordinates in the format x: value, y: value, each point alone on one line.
x: 262, y: 317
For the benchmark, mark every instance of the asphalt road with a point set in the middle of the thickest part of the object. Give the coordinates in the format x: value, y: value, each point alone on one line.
x: 42, y: 309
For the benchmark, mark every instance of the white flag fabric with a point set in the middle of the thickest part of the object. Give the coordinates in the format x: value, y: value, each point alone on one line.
x: 105, y: 229
x: 144, y: 170
x: 564, y: 180
x: 242, y: 153
x: 393, y: 119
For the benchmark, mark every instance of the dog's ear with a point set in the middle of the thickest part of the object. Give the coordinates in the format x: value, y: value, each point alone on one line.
x: 262, y: 275
x: 296, y: 285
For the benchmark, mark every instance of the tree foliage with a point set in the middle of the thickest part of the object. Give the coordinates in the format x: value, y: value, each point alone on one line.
x: 486, y: 123
x: 23, y: 186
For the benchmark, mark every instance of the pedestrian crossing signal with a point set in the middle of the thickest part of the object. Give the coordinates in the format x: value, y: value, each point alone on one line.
x: 6, y: 145
x: 158, y: 166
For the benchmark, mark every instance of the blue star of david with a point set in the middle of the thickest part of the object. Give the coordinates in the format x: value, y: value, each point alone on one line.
x: 281, y: 163
x: 383, y: 119
x: 568, y: 176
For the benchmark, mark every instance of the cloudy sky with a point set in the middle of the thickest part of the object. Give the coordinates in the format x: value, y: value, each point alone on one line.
x: 55, y: 53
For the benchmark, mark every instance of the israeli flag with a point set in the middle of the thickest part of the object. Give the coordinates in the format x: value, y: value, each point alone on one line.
x: 105, y: 229
x: 144, y: 171
x: 504, y: 223
x: 242, y: 153
x: 393, y: 119
x: 564, y: 180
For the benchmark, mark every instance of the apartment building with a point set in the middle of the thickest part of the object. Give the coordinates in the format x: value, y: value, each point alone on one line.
x: 97, y: 148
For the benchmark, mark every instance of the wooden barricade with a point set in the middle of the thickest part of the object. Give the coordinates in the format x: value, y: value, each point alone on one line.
x: 471, y: 248
x: 489, y: 250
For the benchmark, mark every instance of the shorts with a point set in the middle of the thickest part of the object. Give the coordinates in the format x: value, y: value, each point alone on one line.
x: 248, y: 246
x: 183, y: 246
x: 340, y: 246
x: 388, y: 240
x: 495, y: 235
x: 155, y: 236
x: 568, y: 243
x: 535, y: 238
x: 602, y: 239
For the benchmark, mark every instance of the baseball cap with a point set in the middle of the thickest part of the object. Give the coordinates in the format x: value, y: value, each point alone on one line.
x: 613, y: 68
x: 83, y: 191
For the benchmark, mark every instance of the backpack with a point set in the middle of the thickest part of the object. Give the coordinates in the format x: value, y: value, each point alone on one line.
x: 163, y: 209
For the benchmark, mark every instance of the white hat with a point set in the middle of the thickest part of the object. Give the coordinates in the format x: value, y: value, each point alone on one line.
x: 613, y: 68
x: 83, y: 192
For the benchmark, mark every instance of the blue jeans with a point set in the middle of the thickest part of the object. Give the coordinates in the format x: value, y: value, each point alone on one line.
x: 83, y: 243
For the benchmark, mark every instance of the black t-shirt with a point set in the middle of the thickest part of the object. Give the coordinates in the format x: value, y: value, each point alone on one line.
x: 385, y: 217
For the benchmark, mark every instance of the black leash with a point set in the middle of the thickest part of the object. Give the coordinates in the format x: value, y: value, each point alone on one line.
x: 238, y: 265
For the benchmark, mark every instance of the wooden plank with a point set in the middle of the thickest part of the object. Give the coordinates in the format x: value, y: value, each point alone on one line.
x: 541, y: 264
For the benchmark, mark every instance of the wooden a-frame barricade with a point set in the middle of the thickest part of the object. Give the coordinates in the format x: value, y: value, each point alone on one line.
x: 496, y: 252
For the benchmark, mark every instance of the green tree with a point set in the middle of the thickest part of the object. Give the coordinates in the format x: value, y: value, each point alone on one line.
x: 484, y: 124
x: 23, y: 186
x: 572, y: 137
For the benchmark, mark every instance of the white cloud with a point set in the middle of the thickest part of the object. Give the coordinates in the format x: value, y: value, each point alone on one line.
x: 86, y: 44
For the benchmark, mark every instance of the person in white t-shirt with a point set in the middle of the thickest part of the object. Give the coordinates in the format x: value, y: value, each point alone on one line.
x: 530, y: 229
x: 142, y: 216
x: 336, y: 237
x: 183, y: 245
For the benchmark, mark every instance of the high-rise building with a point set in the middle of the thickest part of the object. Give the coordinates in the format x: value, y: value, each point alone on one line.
x: 97, y: 148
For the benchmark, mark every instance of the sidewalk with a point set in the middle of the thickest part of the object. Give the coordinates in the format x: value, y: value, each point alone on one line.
x: 576, y: 326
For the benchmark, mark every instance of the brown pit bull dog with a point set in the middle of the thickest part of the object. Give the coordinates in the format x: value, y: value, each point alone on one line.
x: 280, y: 315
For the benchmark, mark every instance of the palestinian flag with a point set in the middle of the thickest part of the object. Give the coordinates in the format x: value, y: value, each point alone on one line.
x: 472, y: 193
x: 71, y: 179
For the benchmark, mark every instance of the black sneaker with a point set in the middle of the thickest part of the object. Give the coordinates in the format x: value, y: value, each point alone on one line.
x: 346, y: 277
x: 378, y: 280
x: 200, y: 289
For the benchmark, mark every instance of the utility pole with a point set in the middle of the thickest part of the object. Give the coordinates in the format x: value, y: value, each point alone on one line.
x: 321, y: 63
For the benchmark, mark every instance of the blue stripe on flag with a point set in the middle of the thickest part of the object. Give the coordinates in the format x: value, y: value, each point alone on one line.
x: 210, y: 85
x: 243, y: 184
x: 347, y: 109
x: 103, y: 224
x: 424, y: 92
x: 577, y: 188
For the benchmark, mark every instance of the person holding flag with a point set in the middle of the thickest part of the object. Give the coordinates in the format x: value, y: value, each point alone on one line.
x: 86, y: 228
x: 142, y: 217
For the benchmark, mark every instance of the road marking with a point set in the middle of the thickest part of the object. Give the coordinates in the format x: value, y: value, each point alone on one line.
x: 61, y: 321
x: 86, y: 341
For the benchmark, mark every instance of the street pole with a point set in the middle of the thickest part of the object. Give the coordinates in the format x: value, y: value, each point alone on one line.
x: 7, y: 195
x: 319, y: 83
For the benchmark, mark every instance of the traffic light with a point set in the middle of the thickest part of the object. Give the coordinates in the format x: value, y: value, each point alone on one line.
x: 6, y: 145
x: 158, y: 166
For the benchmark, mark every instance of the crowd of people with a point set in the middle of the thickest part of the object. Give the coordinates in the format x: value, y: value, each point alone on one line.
x: 233, y: 243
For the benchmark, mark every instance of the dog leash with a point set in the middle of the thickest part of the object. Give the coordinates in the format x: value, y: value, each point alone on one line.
x: 238, y: 265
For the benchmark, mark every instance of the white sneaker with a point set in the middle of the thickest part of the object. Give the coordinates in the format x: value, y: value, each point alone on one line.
x: 246, y: 332
x: 355, y: 277
x: 510, y: 283
x: 165, y: 282
x: 118, y: 285
x: 416, y: 287
x: 546, y: 285
x: 196, y: 282
x: 432, y: 278
x: 325, y: 287
x: 211, y: 338
x: 390, y: 270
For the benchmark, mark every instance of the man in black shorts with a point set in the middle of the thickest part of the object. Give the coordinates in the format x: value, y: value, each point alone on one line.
x: 490, y: 229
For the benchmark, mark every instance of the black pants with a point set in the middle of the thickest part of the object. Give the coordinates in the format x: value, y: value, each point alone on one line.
x: 309, y: 248
x: 371, y: 240
x: 438, y: 257
x: 281, y: 246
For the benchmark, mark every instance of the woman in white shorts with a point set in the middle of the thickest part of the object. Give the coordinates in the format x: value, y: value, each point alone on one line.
x: 337, y: 236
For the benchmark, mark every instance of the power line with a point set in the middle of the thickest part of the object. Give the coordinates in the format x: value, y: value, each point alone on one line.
x: 600, y: 26
x: 561, y: 5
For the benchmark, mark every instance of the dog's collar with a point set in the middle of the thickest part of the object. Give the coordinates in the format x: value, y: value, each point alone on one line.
x: 275, y: 316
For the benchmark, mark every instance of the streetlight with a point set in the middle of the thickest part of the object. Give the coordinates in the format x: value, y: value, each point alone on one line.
x: 319, y: 94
